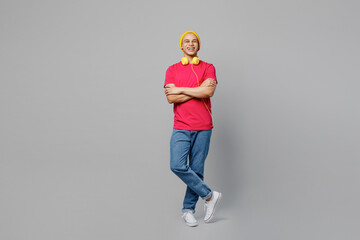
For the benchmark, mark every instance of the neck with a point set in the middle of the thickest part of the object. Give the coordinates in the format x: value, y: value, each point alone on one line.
x: 189, y: 57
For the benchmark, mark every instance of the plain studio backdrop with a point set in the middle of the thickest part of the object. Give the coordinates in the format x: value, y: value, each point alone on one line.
x: 85, y: 125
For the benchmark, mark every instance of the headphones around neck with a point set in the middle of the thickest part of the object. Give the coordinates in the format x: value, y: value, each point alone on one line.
x: 195, y: 61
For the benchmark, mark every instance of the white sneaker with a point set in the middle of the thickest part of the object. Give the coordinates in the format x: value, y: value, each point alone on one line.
x: 190, y: 220
x: 210, y: 206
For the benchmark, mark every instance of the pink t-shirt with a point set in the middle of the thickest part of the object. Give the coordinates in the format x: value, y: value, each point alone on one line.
x: 191, y: 115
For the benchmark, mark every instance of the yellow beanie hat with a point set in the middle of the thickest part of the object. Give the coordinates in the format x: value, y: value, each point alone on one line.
x: 182, y: 36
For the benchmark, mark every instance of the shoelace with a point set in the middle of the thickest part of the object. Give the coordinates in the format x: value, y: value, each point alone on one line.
x: 206, y: 203
x: 188, y: 216
x: 185, y: 214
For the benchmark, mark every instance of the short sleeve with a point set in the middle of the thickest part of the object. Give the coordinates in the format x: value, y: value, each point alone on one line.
x: 169, y: 76
x: 210, y: 72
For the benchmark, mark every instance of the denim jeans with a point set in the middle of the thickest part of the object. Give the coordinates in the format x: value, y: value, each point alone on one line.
x: 188, y: 151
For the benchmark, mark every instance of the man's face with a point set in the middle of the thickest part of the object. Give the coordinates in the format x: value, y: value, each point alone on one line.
x: 190, y: 44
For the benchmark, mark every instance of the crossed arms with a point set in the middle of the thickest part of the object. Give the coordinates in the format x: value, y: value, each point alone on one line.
x: 182, y: 94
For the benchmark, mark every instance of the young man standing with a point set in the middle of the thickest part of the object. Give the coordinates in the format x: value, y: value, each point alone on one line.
x: 189, y: 85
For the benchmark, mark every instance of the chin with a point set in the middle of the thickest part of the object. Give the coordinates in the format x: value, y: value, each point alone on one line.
x: 191, y: 54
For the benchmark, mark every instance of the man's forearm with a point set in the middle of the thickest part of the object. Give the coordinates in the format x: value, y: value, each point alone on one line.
x: 198, y: 92
x: 180, y: 98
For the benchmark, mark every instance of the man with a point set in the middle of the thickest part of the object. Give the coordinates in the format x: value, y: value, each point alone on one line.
x: 189, y: 84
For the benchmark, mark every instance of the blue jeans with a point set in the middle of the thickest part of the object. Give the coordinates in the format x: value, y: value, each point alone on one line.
x: 193, y: 146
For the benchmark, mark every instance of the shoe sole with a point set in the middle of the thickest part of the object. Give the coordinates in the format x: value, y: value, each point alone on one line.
x: 215, y: 205
x: 192, y: 225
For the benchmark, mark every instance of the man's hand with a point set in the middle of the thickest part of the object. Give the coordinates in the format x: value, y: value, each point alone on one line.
x: 179, y: 98
x: 170, y: 89
x: 208, y: 83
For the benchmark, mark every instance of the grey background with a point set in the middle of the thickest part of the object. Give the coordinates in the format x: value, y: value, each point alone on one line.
x: 85, y: 126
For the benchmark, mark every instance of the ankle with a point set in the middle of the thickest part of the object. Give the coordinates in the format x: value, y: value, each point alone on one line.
x: 209, y: 198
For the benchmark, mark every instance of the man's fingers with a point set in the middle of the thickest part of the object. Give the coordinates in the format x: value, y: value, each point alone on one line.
x: 170, y: 85
x: 167, y: 92
x: 209, y: 83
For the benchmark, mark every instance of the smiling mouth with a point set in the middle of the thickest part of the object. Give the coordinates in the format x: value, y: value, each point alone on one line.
x: 191, y: 49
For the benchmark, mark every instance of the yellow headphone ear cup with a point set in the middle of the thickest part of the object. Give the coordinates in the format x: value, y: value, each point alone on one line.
x: 184, y: 61
x: 196, y: 60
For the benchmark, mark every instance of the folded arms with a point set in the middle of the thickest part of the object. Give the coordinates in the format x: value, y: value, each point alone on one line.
x: 182, y: 94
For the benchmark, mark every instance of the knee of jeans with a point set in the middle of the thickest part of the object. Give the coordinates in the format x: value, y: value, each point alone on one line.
x: 178, y: 168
